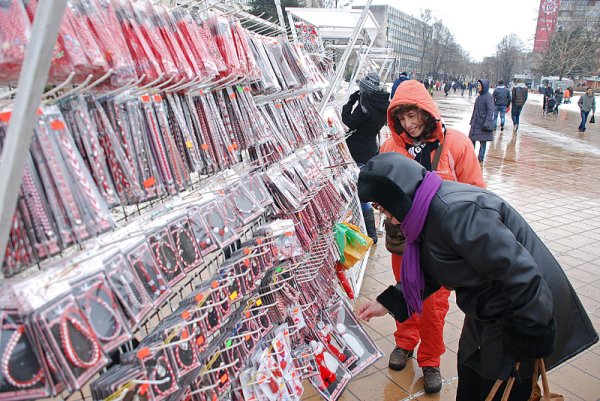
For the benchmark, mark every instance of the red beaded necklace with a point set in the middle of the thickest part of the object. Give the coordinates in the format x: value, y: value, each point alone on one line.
x: 94, y: 297
x: 65, y: 320
x: 6, y: 356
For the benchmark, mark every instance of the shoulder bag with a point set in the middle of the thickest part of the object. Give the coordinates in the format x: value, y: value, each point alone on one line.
x: 537, y: 394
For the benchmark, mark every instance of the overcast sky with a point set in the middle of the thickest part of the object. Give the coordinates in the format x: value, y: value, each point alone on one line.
x: 477, y: 25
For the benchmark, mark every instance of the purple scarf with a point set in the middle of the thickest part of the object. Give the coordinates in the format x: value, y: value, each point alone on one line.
x: 411, y: 275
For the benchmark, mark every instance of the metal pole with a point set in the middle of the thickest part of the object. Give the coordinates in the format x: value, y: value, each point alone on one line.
x: 292, y: 25
x: 280, y: 14
x: 363, y: 56
x: 387, y: 72
x: 354, y: 70
x: 32, y: 80
x: 342, y: 65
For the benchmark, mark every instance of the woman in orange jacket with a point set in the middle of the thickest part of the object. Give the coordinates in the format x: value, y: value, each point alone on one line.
x: 418, y: 132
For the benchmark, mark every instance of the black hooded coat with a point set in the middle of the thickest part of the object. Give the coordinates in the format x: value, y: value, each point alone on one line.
x: 365, y: 126
x: 482, y: 120
x: 518, y: 302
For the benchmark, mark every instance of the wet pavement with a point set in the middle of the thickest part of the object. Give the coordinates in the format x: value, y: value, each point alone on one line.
x: 550, y: 173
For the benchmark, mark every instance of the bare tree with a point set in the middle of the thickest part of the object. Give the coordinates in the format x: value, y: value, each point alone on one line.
x: 442, y: 40
x: 509, y: 53
x: 487, y: 68
x: 427, y: 18
x: 574, y: 49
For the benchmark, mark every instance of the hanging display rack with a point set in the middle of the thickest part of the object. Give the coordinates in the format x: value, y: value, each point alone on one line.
x: 32, y: 81
x: 237, y: 185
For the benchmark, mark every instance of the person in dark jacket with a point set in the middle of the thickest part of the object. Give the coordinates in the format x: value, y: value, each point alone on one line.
x: 482, y: 120
x: 502, y: 99
x: 548, y: 92
x: 518, y: 302
x: 587, y: 104
x: 401, y: 78
x: 447, y: 87
x: 558, y: 95
x: 364, y: 123
x: 519, y: 97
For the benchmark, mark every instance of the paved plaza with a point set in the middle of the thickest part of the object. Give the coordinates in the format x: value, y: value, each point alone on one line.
x: 551, y: 174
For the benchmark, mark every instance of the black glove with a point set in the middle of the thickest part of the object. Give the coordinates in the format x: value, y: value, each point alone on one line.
x: 526, y: 342
x: 354, y: 97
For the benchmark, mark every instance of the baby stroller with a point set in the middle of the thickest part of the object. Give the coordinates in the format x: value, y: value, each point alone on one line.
x: 551, y: 106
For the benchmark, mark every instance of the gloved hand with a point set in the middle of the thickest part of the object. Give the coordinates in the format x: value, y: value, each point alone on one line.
x: 354, y: 97
x: 525, y: 342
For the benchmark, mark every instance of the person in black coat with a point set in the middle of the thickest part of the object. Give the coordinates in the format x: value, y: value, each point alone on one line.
x: 482, y: 119
x: 447, y: 87
x: 502, y: 99
x: 517, y: 300
x: 548, y: 93
x: 364, y: 121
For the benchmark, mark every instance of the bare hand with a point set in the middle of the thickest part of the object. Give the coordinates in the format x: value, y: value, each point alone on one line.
x: 371, y: 309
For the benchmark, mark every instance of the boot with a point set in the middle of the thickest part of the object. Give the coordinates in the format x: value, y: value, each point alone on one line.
x: 398, y: 358
x: 370, y: 224
x: 432, y: 379
x: 515, y: 128
x: 501, y: 127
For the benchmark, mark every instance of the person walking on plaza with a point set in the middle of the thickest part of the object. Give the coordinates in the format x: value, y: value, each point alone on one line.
x: 586, y: 103
x: 558, y: 96
x: 482, y: 119
x: 518, y: 303
x: 447, y: 87
x: 548, y: 92
x: 418, y: 133
x: 519, y: 97
x: 502, y: 100
x: 401, y: 78
x: 364, y: 123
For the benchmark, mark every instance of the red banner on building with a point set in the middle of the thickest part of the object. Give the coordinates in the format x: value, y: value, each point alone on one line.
x: 546, y: 24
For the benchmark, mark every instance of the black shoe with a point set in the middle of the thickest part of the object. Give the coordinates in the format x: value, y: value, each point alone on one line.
x: 398, y: 358
x: 433, y: 379
x: 502, y: 127
x: 370, y: 224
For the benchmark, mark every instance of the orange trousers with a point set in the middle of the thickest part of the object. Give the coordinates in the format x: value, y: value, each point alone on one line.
x: 428, y: 328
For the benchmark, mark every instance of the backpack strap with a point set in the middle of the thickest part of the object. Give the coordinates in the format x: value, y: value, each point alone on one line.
x: 438, y: 151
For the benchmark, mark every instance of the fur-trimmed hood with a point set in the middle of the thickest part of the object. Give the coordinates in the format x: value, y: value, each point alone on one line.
x: 414, y: 93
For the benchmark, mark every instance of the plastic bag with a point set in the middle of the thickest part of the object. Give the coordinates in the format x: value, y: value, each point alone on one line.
x: 352, y: 243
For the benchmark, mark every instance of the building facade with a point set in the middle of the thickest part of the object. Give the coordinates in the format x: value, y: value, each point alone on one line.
x: 557, y: 14
x: 402, y: 33
x: 577, y: 11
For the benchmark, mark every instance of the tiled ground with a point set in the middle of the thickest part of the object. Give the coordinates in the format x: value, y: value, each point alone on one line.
x: 550, y: 174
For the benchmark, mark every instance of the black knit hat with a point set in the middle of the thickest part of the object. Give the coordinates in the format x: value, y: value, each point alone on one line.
x: 391, y: 180
x: 376, y: 187
x: 370, y: 83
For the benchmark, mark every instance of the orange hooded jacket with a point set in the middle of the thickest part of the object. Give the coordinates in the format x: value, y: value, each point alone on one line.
x: 458, y: 161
